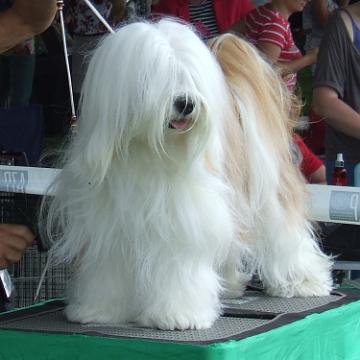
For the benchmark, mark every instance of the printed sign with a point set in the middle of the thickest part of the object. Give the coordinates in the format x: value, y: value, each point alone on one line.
x: 345, y: 205
x: 13, y: 180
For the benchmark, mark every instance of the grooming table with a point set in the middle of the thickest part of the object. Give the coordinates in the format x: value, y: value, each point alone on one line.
x: 254, y: 327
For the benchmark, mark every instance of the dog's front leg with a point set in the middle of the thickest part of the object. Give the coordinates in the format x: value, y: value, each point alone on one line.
x: 186, y: 298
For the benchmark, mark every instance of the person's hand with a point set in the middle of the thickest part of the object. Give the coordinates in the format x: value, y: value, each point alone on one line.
x: 14, y: 239
x: 311, y: 55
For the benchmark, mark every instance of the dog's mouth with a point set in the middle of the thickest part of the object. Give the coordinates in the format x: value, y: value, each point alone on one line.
x: 182, y: 118
x: 180, y: 124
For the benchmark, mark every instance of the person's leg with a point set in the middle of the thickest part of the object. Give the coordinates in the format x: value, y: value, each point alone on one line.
x: 4, y: 80
x: 22, y: 69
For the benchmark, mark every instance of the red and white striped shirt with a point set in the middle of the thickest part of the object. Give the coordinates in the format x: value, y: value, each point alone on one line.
x: 266, y: 25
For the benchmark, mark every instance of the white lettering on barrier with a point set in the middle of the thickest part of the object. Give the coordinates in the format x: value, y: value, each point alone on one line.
x: 344, y: 205
x: 354, y: 204
x: 13, y: 181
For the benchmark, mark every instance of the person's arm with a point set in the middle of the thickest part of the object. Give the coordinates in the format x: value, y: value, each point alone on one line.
x: 272, y: 52
x: 25, y: 19
x: 14, y: 239
x: 272, y: 37
x: 331, y: 76
x: 318, y: 176
x: 338, y: 114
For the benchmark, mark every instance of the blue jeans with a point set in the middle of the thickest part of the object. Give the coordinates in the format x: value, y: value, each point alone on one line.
x: 16, y: 79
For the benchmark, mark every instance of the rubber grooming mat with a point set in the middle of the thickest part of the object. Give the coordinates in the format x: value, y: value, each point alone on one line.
x: 240, y: 317
x: 329, y: 331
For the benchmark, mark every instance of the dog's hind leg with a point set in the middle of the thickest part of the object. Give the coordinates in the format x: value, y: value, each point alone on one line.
x: 234, y: 276
x: 290, y: 261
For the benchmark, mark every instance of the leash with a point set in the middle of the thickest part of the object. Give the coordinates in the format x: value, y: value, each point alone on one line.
x: 60, y: 5
x: 73, y: 121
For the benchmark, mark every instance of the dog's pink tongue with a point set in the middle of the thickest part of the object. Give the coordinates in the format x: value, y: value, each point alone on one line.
x: 179, y: 124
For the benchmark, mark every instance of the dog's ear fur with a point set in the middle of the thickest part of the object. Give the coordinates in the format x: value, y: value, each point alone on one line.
x: 95, y: 143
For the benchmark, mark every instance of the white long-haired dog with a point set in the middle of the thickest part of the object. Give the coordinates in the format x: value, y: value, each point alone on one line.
x: 149, y: 205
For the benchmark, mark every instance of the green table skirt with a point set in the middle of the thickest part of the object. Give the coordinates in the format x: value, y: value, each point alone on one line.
x: 330, y: 335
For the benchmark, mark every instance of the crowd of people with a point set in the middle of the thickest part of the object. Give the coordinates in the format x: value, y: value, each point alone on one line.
x: 332, y: 50
x: 266, y: 25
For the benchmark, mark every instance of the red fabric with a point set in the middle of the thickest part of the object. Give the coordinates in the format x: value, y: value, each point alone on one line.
x: 227, y: 12
x: 315, y: 136
x: 310, y: 161
x: 266, y: 25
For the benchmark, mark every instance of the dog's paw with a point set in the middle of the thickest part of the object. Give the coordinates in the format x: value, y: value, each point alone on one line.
x: 306, y: 288
x: 234, y: 292
x: 84, y: 315
x: 77, y: 314
x: 179, y: 321
x: 235, y: 287
x: 312, y: 288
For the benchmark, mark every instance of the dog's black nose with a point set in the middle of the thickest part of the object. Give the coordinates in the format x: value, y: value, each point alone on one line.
x: 184, y: 106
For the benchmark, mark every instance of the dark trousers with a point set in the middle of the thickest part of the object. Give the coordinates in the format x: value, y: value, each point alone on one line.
x: 16, y: 79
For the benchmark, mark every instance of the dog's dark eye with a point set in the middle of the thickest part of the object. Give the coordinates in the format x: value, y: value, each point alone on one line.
x: 184, y: 105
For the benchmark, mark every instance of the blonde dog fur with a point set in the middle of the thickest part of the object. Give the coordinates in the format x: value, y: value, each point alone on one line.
x: 180, y: 183
x: 284, y: 250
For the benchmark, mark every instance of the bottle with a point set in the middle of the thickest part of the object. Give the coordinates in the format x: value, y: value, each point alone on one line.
x: 339, y: 173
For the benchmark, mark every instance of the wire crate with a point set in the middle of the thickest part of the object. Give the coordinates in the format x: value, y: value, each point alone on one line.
x: 26, y: 276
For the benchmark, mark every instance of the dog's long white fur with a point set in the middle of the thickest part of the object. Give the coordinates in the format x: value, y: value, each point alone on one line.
x: 152, y: 219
